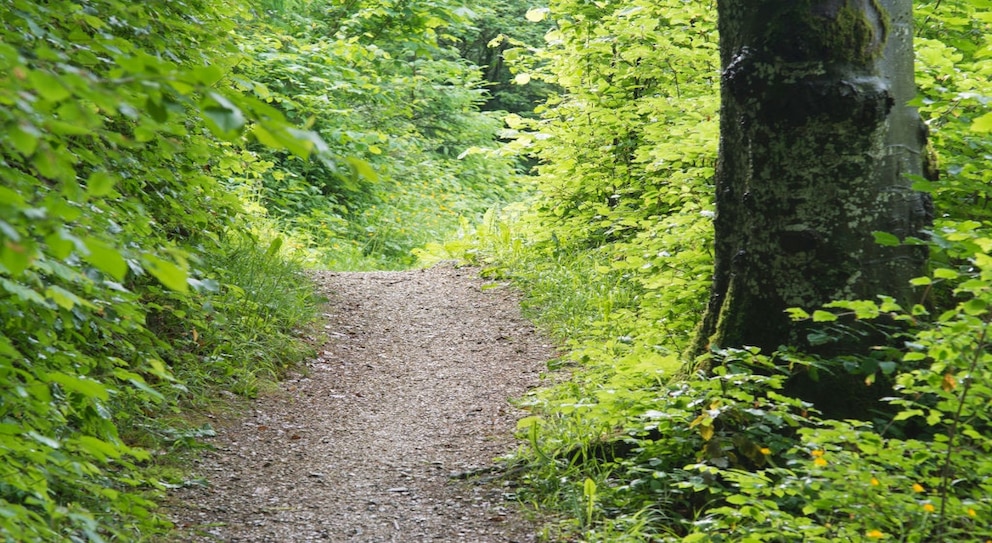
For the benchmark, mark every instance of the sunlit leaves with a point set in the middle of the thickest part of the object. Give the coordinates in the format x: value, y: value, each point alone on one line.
x: 106, y: 169
x: 982, y: 124
x: 536, y: 15
x: 168, y: 273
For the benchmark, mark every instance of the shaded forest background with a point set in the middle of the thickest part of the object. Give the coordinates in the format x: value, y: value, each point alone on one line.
x: 172, y: 168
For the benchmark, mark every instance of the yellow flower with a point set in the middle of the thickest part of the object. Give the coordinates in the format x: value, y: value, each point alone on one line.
x: 874, y: 482
x: 875, y: 534
x: 972, y: 513
x: 819, y: 462
x: 928, y: 507
x: 917, y: 487
x: 817, y: 453
x: 766, y: 451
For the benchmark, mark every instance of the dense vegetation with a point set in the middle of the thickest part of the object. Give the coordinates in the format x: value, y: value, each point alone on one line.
x: 167, y: 164
x: 615, y: 254
x: 169, y: 168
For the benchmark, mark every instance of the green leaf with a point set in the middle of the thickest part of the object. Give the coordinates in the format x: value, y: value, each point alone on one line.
x: 274, y: 247
x: 975, y: 306
x: 157, y: 110
x: 982, y: 124
x: 225, y: 118
x: 105, y: 258
x: 823, y: 316
x: 24, y: 139
x: 208, y: 75
x: 536, y: 15
x: 48, y: 86
x: 97, y: 447
x: 737, y: 499
x: 527, y: 422
x: 100, y: 184
x: 90, y: 388
x: 44, y: 440
x: 266, y: 138
x: 60, y: 243
x: 169, y: 274
x: 23, y: 293
x: 15, y: 257
x: 886, y: 239
x: 363, y: 168
x: 945, y: 273
x: 10, y: 197
x: 62, y: 297
x: 589, y: 487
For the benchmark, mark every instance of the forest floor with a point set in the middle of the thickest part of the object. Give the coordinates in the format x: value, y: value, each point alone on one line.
x: 382, y: 436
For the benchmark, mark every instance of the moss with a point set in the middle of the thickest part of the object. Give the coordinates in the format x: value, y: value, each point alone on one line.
x: 838, y: 31
x: 858, y: 36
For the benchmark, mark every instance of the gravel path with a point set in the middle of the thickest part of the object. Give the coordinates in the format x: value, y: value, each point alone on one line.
x: 409, y: 392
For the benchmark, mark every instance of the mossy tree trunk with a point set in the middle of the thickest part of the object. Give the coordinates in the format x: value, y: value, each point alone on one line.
x: 816, y: 143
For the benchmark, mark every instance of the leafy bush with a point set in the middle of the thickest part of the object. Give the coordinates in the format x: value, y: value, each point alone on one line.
x: 112, y: 233
x: 613, y: 253
x: 398, y: 109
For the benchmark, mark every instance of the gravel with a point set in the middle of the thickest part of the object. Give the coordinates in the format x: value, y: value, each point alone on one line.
x: 380, y: 439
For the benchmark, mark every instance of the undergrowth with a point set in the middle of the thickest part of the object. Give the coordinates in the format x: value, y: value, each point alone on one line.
x: 613, y: 256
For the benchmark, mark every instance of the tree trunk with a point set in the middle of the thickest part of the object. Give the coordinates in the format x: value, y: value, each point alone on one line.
x: 815, y: 146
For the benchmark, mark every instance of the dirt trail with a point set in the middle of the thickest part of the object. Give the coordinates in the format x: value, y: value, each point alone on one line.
x: 410, y: 389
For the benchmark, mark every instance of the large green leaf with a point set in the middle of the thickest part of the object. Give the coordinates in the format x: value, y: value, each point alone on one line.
x: 105, y: 258
x: 168, y: 273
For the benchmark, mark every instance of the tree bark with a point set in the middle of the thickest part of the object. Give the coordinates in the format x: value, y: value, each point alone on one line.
x: 816, y: 142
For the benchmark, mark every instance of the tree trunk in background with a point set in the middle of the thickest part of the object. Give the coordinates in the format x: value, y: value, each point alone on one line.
x: 815, y: 146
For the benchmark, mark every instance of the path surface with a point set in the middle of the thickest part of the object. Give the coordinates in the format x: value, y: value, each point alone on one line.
x: 411, y: 388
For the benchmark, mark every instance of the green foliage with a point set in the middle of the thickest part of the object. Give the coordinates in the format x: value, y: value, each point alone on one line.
x: 613, y: 253
x: 168, y: 168
x: 397, y: 108
x: 498, y: 31
x: 112, y: 225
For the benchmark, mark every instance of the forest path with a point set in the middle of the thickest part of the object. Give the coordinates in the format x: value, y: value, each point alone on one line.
x: 410, y: 388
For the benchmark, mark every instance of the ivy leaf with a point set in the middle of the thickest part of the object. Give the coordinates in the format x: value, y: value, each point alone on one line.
x: 169, y: 274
